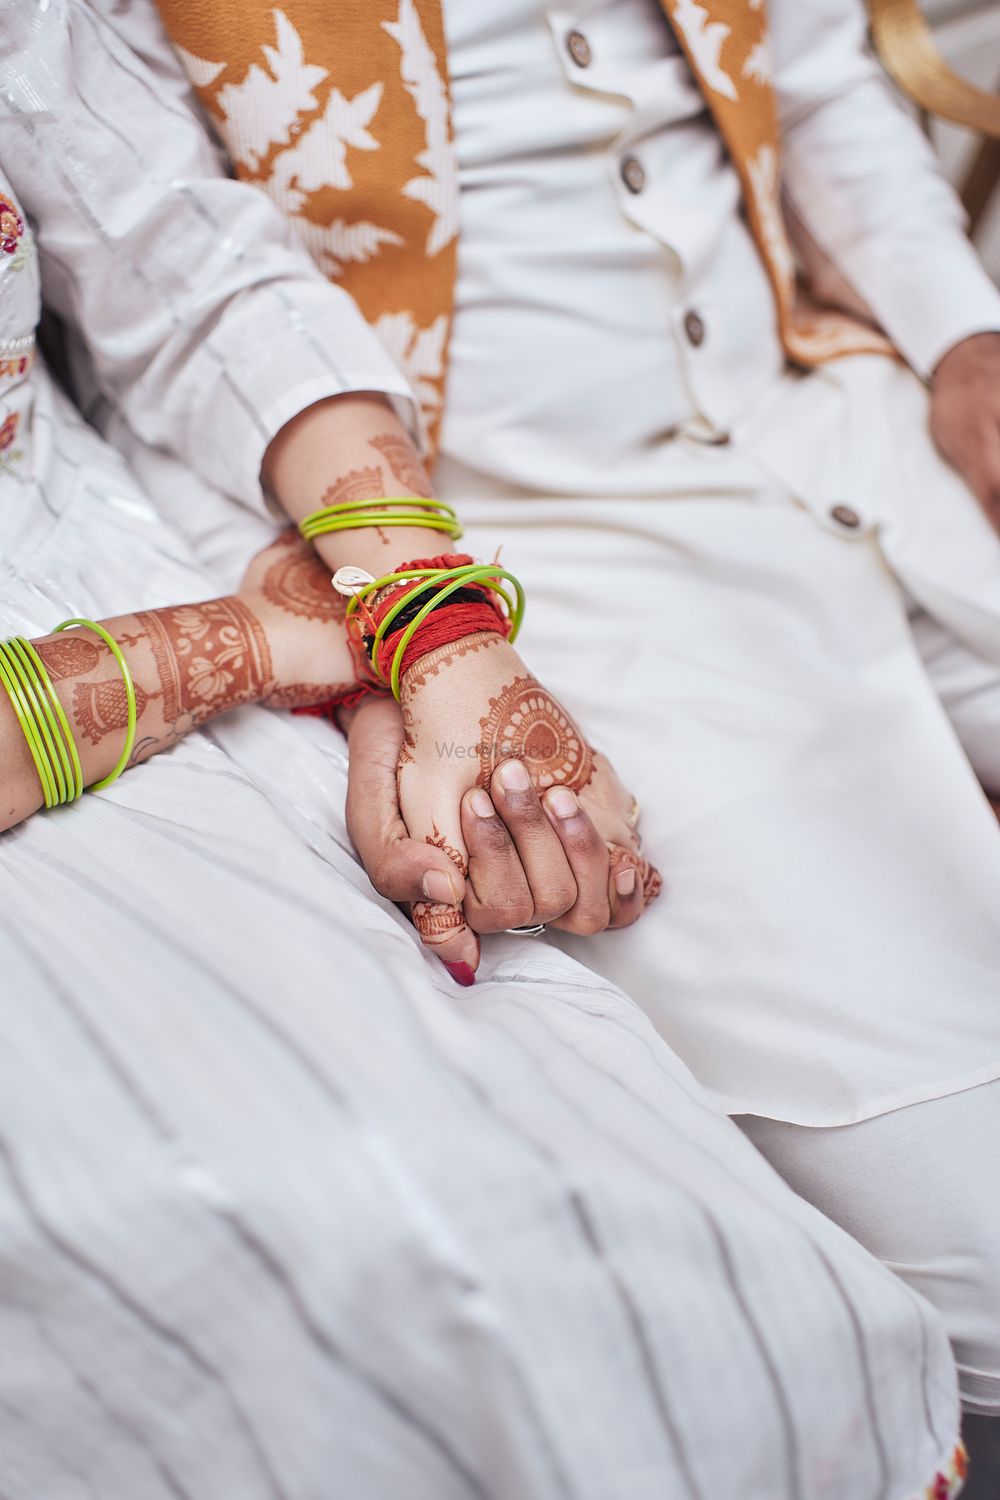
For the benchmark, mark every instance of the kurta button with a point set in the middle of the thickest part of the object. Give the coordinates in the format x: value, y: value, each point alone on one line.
x: 633, y: 174
x: 845, y: 515
x: 579, y: 49
x: 694, y: 327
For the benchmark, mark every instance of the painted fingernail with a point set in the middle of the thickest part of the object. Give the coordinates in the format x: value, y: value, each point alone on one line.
x: 461, y: 973
x: 481, y: 804
x: 513, y: 776
x: 437, y: 886
x: 625, y: 882
x: 562, y: 802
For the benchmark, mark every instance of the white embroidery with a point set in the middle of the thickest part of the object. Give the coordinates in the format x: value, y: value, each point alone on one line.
x: 200, y: 72
x: 338, y: 244
x: 705, y: 39
x: 419, y: 352
x: 261, y: 111
x: 319, y: 157
x: 758, y: 64
x: 419, y: 71
x: 763, y: 170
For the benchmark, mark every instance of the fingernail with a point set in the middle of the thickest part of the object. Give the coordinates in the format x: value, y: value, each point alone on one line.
x: 437, y: 886
x: 513, y: 776
x: 625, y: 882
x: 562, y: 802
x: 481, y: 804
x: 461, y: 973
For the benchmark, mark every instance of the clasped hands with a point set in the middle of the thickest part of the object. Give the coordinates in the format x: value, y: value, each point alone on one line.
x: 476, y: 800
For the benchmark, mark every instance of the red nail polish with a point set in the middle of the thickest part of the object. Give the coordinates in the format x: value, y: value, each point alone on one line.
x: 461, y: 973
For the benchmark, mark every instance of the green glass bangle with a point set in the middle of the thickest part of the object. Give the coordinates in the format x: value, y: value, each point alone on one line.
x: 123, y: 667
x: 45, y: 720
x: 74, y: 770
x: 416, y: 520
x: 483, y: 574
x: 351, y: 515
x: 32, y: 737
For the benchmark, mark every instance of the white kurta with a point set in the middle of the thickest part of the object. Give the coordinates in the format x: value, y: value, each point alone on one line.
x: 828, y: 944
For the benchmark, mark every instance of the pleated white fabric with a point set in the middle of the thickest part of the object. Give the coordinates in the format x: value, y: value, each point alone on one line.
x: 286, y: 1214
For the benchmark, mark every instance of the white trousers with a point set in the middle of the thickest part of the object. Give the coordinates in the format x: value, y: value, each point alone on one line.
x: 917, y: 1187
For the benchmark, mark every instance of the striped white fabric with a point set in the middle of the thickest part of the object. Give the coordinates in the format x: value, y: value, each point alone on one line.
x: 283, y: 1213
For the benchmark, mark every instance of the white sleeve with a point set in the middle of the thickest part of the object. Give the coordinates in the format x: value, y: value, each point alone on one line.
x: 865, y: 182
x: 207, y: 324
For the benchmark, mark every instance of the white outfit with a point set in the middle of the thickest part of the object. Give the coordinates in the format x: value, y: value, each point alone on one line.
x: 164, y: 248
x: 910, y: 1184
x: 284, y: 1213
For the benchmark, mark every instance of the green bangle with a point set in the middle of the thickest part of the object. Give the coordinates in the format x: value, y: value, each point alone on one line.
x: 485, y: 575
x: 20, y: 704
x: 351, y: 515
x: 46, y: 723
x: 74, y: 770
x: 123, y: 666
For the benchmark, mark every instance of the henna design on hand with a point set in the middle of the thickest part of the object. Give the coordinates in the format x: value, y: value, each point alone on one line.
x: 69, y: 657
x: 101, y: 708
x: 300, y: 585
x: 436, y: 922
x: 404, y: 463
x: 526, y: 723
x: 209, y: 657
x: 358, y: 484
x: 438, y: 840
x: 306, y: 694
x: 443, y: 656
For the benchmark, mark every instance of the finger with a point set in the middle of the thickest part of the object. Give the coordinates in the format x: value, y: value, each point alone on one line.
x: 543, y: 859
x: 624, y: 893
x: 445, y: 931
x: 647, y: 885
x: 587, y: 855
x: 400, y: 868
x: 497, y: 894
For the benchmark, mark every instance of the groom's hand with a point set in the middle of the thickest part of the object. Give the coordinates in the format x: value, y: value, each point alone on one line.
x: 965, y: 416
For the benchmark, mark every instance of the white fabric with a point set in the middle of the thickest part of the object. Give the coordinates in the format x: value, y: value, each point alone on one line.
x: 827, y: 945
x: 486, y: 1240
x: 570, y: 365
x: 918, y: 1187
x: 205, y: 326
x: 286, y: 1214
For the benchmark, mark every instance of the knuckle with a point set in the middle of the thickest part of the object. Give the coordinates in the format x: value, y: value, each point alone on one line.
x: 558, y: 900
x: 499, y: 915
x: 380, y: 874
x: 492, y: 837
x: 590, y: 920
x: 527, y: 813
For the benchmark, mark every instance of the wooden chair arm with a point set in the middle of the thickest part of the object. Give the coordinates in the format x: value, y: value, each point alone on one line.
x: 906, y: 47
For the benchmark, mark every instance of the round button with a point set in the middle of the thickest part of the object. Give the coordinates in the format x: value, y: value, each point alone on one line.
x: 579, y: 48
x: 694, y: 327
x: 633, y: 174
x: 845, y: 515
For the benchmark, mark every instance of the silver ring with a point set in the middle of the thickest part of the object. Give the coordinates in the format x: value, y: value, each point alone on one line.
x: 531, y: 930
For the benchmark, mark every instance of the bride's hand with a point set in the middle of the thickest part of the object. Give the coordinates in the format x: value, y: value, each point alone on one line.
x: 288, y: 588
x: 494, y: 772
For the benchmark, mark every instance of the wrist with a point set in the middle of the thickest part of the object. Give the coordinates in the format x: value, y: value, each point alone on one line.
x: 978, y: 349
x: 311, y: 661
